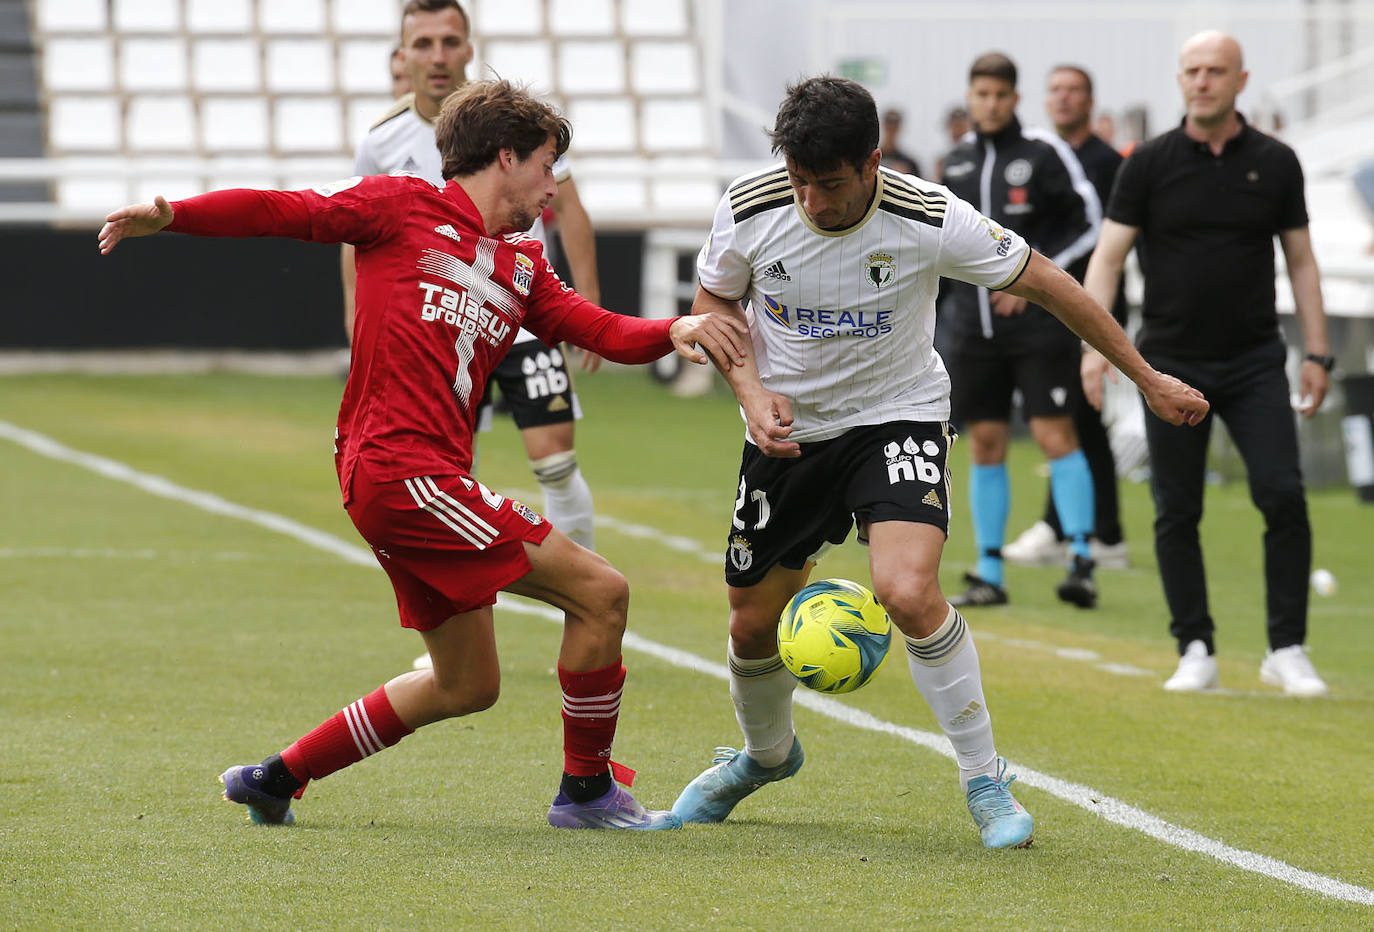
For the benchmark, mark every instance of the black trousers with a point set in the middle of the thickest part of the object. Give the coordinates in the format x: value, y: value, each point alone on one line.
x: 1097, y: 450
x: 1250, y: 393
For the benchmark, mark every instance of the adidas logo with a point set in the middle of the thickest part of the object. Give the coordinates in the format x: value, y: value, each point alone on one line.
x: 558, y: 404
x: 777, y: 271
x: 410, y: 165
x: 933, y: 500
x: 969, y: 713
x: 448, y: 230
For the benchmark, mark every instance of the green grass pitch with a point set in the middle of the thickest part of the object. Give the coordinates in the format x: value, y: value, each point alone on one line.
x: 145, y: 644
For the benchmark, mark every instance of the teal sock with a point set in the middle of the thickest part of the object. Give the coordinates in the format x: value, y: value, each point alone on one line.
x: 989, y: 502
x: 1072, y: 483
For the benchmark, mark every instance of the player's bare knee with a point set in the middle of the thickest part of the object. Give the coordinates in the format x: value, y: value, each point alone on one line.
x: 460, y: 697
x: 753, y: 631
x: 913, y: 602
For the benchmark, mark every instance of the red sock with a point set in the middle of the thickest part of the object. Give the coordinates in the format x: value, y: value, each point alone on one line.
x: 359, y: 730
x: 591, y: 707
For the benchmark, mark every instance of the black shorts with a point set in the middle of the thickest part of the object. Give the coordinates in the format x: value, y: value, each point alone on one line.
x: 790, y: 511
x: 536, y: 384
x: 983, y: 382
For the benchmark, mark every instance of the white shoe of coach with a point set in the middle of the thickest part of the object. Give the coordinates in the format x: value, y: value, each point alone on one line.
x: 1197, y: 670
x: 1289, y: 668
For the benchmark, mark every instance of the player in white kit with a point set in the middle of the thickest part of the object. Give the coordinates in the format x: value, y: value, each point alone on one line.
x: 534, y: 378
x: 846, y: 404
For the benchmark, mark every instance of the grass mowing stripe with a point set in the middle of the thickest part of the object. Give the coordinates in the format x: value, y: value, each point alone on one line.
x: 1111, y: 809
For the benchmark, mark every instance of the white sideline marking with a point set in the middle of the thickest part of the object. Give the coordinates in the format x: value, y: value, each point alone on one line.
x: 1113, y: 810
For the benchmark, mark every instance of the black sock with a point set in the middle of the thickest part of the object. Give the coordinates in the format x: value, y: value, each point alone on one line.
x: 585, y: 789
x: 279, y: 781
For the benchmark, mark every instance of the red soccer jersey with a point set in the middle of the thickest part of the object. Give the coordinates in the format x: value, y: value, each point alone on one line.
x: 438, y: 304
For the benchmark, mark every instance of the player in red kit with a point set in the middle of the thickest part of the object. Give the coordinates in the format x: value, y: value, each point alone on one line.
x: 442, y: 291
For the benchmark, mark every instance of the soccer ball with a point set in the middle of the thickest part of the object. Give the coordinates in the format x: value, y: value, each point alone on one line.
x: 834, y: 636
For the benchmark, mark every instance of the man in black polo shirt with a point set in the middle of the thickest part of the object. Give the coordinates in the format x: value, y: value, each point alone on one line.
x: 1207, y: 200
x: 1069, y: 103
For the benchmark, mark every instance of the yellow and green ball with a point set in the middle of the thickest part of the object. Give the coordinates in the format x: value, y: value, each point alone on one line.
x: 833, y: 636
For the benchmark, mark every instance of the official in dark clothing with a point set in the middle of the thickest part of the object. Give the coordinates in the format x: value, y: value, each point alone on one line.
x: 1206, y: 200
x: 1069, y: 103
x: 1029, y: 181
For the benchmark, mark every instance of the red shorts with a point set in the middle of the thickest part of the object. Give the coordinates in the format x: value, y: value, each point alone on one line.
x: 448, y: 543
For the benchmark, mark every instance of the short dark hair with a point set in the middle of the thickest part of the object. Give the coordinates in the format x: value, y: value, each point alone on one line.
x: 993, y: 65
x: 1081, y: 72
x: 826, y: 122
x: 435, y: 6
x: 481, y: 118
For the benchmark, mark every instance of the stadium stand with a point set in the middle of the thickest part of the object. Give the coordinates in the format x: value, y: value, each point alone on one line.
x: 240, y: 90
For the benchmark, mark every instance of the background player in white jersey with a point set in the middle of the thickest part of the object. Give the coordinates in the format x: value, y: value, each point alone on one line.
x: 846, y: 404
x: 436, y: 49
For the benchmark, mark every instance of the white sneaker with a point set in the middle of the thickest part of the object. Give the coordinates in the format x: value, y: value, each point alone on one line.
x: 1289, y: 668
x: 1038, y: 545
x: 1197, y: 670
x: 1111, y: 556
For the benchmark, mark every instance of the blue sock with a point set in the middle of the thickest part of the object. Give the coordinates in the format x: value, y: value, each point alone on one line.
x: 989, y: 500
x: 1072, y: 483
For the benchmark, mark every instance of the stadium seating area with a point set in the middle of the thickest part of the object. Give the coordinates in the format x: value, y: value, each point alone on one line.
x: 208, y: 93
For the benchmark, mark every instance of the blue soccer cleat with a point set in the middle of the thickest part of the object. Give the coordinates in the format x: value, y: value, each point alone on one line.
x: 1001, y: 820
x: 243, y: 784
x: 718, y: 789
x: 616, y: 809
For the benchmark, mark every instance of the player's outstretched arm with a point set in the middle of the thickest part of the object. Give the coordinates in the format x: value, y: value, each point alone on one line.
x: 1049, y: 286
x: 134, y: 220
x: 767, y: 415
x: 722, y: 336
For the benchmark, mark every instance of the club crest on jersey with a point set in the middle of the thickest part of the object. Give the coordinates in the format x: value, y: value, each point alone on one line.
x: 523, y: 275
x: 741, y: 553
x: 880, y: 269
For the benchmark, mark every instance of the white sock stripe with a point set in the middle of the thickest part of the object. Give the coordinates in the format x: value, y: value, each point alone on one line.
x: 441, y: 496
x: 352, y: 714
x: 571, y: 714
x: 353, y: 733
x: 367, y: 723
x: 579, y: 709
x: 615, y: 695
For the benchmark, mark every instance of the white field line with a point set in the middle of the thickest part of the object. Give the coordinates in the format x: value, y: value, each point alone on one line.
x: 1113, y: 810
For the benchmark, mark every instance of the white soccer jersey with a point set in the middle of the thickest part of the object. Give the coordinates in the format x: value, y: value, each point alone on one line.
x: 843, y: 321
x: 403, y: 141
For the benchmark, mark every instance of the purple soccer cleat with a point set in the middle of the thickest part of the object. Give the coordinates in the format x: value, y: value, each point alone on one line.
x: 617, y: 809
x: 243, y: 784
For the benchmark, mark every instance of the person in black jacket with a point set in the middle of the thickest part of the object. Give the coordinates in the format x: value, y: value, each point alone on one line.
x: 1069, y: 104
x: 1028, y: 180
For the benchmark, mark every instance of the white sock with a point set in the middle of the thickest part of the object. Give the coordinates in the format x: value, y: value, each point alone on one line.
x: 944, y: 668
x: 762, y: 691
x: 567, y: 497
